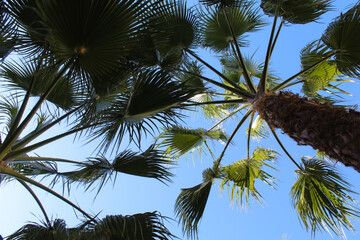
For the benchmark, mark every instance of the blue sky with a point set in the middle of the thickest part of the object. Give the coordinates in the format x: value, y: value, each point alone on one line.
x: 221, y: 220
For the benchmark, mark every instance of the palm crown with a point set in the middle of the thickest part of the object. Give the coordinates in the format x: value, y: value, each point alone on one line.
x: 122, y: 68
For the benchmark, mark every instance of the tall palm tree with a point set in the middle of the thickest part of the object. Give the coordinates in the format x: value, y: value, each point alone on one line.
x: 250, y: 89
x: 121, y: 68
x: 99, y: 66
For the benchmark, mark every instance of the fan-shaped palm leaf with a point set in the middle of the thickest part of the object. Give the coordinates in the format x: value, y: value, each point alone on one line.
x: 216, y: 33
x: 141, y: 226
x: 190, y: 76
x: 342, y: 36
x: 175, y: 27
x: 151, y: 164
x: 323, y: 75
x: 179, y: 141
x: 190, y: 206
x: 240, y: 176
x: 259, y: 129
x: 19, y: 75
x: 9, y: 108
x: 7, y: 32
x: 296, y: 11
x: 34, y: 231
x: 153, y: 97
x: 320, y: 196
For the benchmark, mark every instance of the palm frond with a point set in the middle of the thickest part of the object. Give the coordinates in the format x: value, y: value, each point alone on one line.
x: 216, y: 34
x: 8, y: 38
x: 240, y: 177
x: 35, y: 231
x: 192, y: 81
x: 153, y: 98
x: 178, y: 141
x: 141, y: 226
x: 175, y: 27
x: 9, y: 108
x: 324, y: 75
x: 19, y: 76
x: 190, y: 206
x: 297, y: 11
x: 210, y: 111
x: 259, y: 129
x: 222, y: 3
x: 320, y: 196
x: 150, y: 163
x: 342, y: 36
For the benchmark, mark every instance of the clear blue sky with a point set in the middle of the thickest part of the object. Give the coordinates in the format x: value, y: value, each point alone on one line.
x: 221, y: 220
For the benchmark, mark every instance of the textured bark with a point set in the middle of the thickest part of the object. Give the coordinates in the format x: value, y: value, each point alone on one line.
x: 330, y: 129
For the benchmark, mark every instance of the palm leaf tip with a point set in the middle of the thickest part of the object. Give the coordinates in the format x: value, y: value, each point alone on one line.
x: 343, y: 37
x: 320, y: 196
x: 296, y: 11
x: 190, y: 206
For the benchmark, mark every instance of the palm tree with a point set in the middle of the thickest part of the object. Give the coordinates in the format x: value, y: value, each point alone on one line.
x: 250, y: 89
x: 121, y: 68
x: 90, y: 64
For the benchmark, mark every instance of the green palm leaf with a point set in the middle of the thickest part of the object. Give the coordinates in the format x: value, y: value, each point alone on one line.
x: 320, y: 196
x: 151, y: 164
x: 32, y: 30
x: 153, y: 98
x: 141, y: 226
x: 240, y: 177
x: 9, y: 108
x: 325, y: 76
x: 175, y: 27
x: 343, y: 36
x: 19, y: 75
x: 216, y: 33
x: 34, y: 231
x: 179, y: 141
x: 7, y: 32
x: 189, y: 76
x: 190, y: 206
x: 259, y: 129
x: 296, y: 11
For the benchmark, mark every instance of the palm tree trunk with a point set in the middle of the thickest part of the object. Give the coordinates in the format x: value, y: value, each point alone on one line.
x: 330, y: 129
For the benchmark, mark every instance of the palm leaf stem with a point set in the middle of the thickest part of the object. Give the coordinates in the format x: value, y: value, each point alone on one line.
x: 11, y: 139
x: 11, y: 172
x: 284, y: 149
x: 276, y: 37
x: 291, y: 84
x: 241, y: 92
x: 217, y: 102
x: 10, y: 156
x: 249, y: 134
x: 271, y: 45
x: 209, y: 149
x: 239, y: 56
x: 215, y: 71
x: 31, y: 136
x: 246, y: 115
x: 24, y: 102
x: 37, y: 200
x: 227, y: 117
x: 280, y: 86
x: 37, y: 159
